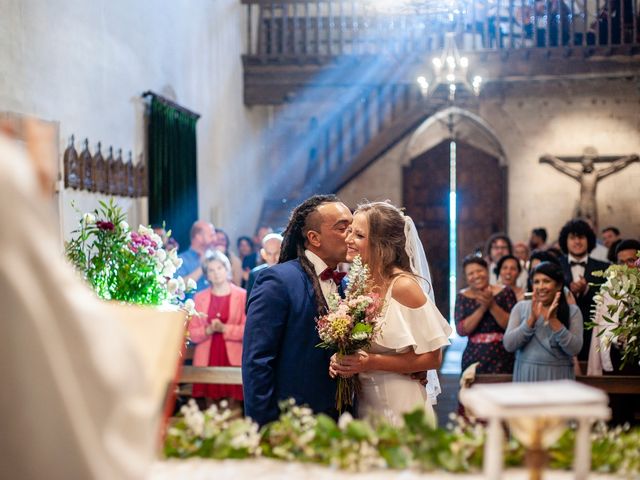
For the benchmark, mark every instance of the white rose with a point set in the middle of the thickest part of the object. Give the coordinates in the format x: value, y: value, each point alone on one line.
x: 124, y: 225
x: 161, y: 255
x: 88, y: 219
x: 191, y: 284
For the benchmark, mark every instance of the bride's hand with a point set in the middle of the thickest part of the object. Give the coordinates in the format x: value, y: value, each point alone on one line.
x: 332, y: 366
x: 348, y: 365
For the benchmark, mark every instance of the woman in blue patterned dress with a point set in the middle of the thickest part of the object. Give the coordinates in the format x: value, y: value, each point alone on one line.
x: 545, y: 332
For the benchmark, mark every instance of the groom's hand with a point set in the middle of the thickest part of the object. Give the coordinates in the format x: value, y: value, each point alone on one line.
x: 421, y: 377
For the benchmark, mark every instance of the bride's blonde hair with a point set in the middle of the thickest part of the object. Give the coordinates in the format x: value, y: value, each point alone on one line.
x: 387, y: 239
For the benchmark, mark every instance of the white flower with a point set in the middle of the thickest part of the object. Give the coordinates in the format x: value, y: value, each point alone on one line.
x: 88, y: 219
x: 172, y: 286
x: 190, y: 307
x: 168, y: 269
x: 146, y: 231
x: 344, y: 420
x: 124, y: 225
x: 161, y: 255
x: 359, y: 335
x: 173, y: 256
x: 191, y: 284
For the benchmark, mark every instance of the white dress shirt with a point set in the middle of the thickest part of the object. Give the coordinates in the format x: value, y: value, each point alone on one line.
x: 328, y: 286
x: 577, y: 271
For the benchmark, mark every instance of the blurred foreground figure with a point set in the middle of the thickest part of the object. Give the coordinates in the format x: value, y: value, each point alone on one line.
x: 76, y: 402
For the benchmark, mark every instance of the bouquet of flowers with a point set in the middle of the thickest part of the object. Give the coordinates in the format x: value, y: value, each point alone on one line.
x: 351, y: 324
x: 121, y: 264
x: 620, y: 296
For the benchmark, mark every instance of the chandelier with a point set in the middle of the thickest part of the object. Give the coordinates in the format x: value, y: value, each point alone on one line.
x: 450, y: 69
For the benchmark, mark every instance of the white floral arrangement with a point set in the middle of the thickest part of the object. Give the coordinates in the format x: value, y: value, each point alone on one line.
x: 619, y: 296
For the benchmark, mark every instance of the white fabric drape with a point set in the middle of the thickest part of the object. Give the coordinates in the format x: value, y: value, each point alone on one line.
x: 75, y: 401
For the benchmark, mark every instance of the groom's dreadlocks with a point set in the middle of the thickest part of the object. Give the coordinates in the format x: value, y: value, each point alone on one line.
x: 294, y: 239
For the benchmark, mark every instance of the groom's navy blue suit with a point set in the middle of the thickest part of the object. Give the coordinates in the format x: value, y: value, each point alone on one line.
x: 280, y: 359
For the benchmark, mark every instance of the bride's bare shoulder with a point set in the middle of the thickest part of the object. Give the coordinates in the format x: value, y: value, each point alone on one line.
x: 407, y: 292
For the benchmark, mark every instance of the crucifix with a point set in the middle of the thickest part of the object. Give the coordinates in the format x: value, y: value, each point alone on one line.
x: 588, y: 176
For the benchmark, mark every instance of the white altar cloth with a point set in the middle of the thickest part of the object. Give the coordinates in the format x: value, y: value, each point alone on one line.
x: 269, y: 469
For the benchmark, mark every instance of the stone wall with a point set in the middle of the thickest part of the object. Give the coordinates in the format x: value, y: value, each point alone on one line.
x: 85, y: 65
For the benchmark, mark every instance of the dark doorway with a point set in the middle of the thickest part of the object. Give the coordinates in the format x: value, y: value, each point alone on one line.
x: 481, y: 206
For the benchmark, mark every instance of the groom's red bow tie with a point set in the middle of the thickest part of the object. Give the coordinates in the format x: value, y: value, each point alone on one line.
x: 334, y: 275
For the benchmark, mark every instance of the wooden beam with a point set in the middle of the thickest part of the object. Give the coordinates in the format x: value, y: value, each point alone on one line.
x: 281, y: 79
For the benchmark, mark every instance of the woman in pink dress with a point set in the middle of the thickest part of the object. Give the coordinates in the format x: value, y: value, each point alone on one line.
x: 218, y: 332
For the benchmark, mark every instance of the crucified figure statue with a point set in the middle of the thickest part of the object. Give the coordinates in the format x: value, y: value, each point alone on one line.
x: 588, y: 177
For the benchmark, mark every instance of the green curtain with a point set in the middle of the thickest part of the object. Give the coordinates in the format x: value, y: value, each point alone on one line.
x: 173, y: 190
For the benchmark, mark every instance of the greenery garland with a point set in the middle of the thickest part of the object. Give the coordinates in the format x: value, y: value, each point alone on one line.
x: 359, y: 445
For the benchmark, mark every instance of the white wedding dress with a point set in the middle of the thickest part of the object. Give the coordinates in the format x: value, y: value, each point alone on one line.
x: 389, y: 394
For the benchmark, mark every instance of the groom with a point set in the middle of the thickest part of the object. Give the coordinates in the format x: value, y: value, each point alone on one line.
x: 280, y: 359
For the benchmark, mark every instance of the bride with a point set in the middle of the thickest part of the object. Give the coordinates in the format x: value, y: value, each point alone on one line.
x: 413, y: 330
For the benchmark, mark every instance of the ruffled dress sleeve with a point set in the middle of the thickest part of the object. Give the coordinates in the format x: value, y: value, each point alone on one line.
x: 423, y: 328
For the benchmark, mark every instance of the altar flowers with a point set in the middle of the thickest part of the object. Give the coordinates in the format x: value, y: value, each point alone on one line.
x: 619, y: 299
x: 351, y: 324
x: 127, y: 265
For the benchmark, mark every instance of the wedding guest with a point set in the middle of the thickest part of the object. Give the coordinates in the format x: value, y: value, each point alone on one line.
x: 246, y: 254
x: 536, y: 258
x: 203, y: 237
x: 218, y: 333
x: 222, y: 245
x: 498, y: 246
x: 261, y: 232
x: 538, y: 239
x: 270, y: 252
x: 508, y: 269
x: 545, y: 332
x: 577, y: 240
x: 611, y: 239
x: 521, y: 250
x: 481, y: 313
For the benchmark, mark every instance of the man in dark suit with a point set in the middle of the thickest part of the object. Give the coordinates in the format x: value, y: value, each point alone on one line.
x: 280, y: 359
x: 577, y: 240
x: 270, y: 252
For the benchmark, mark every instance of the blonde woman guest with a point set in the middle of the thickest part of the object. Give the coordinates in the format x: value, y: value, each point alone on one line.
x: 413, y: 330
x: 218, y: 333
